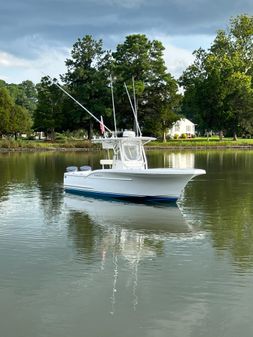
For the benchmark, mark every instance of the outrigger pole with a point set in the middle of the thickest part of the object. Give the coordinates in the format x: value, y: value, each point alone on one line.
x: 135, y: 103
x: 134, y: 111
x: 83, y: 107
x: 113, y: 108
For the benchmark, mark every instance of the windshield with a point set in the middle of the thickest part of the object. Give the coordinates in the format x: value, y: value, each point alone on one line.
x: 132, y: 151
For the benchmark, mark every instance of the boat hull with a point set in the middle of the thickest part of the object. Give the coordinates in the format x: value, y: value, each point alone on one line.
x: 149, y: 184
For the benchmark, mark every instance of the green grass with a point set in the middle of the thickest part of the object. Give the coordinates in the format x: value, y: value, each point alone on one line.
x: 11, y: 144
x: 203, y: 142
x: 43, y: 145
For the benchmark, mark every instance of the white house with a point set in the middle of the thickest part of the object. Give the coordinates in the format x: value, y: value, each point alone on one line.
x: 182, y: 126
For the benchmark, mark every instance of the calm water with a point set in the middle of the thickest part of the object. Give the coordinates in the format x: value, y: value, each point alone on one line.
x: 74, y: 267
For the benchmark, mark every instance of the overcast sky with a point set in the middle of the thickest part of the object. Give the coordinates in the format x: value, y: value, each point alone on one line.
x: 36, y: 36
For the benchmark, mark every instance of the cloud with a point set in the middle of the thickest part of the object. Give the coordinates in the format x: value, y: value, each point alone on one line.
x: 49, y: 61
x: 32, y: 30
x: 177, y: 60
x: 124, y: 4
x: 8, y: 60
x: 178, y: 53
x: 65, y: 21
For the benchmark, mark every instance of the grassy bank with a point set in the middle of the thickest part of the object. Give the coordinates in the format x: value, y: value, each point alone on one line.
x: 213, y: 142
x: 33, y: 145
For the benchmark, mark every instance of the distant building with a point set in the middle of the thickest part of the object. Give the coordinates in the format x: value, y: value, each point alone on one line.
x: 182, y: 126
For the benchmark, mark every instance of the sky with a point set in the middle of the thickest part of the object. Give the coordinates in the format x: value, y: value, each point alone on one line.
x: 36, y: 36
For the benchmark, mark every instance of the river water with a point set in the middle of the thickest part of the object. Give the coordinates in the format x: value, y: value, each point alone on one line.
x: 75, y: 266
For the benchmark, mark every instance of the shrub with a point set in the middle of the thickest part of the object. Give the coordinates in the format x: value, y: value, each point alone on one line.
x: 60, y: 138
x: 83, y: 144
x: 176, y: 136
x: 5, y: 144
x: 9, y: 143
x: 183, y: 136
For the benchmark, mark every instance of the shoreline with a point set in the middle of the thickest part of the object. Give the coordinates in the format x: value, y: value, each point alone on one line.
x: 47, y: 149
x: 153, y: 147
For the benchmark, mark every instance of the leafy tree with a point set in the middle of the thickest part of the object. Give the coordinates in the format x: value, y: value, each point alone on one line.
x: 24, y: 94
x: 28, y: 97
x: 3, y: 84
x: 156, y: 90
x: 218, y: 86
x: 14, y: 118
x: 48, y: 116
x: 20, y: 121
x: 6, y: 107
x: 87, y: 80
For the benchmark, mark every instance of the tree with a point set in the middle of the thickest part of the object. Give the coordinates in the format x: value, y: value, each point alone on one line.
x: 24, y: 94
x: 218, y: 86
x: 6, y: 106
x: 28, y: 97
x: 87, y: 80
x: 48, y: 115
x: 155, y: 88
x: 20, y: 121
x: 14, y: 119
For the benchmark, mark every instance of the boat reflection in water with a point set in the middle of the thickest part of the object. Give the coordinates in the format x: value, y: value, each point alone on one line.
x: 132, y: 232
x: 145, y: 217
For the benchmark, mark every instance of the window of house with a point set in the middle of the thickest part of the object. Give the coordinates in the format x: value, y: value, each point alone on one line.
x: 177, y: 128
x: 188, y: 129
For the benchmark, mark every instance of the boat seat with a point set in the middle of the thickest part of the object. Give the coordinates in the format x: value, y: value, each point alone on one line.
x: 85, y: 168
x: 104, y: 162
x: 71, y: 169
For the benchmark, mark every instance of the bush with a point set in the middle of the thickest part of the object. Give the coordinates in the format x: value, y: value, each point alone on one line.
x: 83, y: 144
x: 5, y: 144
x: 183, y: 136
x: 176, y: 136
x: 60, y: 138
x: 9, y: 143
x: 77, y: 134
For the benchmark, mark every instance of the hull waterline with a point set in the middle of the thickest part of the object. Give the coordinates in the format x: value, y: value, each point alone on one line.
x: 106, y: 195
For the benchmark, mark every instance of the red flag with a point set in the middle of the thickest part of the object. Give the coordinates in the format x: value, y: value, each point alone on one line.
x: 102, y: 127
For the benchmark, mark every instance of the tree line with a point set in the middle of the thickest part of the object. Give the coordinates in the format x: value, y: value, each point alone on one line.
x: 18, y: 103
x: 217, y: 88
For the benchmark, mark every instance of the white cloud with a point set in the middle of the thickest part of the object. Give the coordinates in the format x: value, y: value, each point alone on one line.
x: 49, y: 61
x: 8, y: 60
x: 123, y: 4
x: 177, y: 59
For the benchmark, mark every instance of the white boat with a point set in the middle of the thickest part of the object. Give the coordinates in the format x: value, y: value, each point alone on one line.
x: 126, y: 174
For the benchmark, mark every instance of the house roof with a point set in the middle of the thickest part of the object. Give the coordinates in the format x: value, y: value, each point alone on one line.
x: 185, y: 120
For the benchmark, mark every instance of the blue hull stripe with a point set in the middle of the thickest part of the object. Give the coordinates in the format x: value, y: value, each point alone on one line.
x: 120, y: 196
